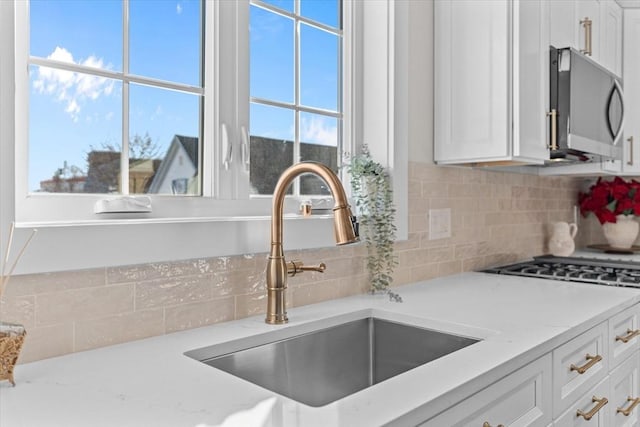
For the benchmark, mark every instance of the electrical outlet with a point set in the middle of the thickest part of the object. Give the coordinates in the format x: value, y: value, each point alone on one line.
x: 439, y: 223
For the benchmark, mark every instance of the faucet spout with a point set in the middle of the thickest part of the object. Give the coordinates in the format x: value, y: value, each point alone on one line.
x: 277, y: 269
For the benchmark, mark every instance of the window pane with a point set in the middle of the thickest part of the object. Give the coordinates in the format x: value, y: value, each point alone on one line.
x: 325, y: 11
x: 271, y: 146
x: 164, y: 40
x: 319, y: 68
x: 271, y: 56
x: 319, y: 142
x: 163, y: 141
x: 74, y: 128
x: 282, y: 4
x: 80, y: 32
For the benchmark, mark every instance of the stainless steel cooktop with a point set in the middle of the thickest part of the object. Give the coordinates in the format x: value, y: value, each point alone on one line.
x: 585, y: 270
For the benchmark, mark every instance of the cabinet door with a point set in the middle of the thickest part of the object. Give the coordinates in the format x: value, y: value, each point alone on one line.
x: 631, y: 81
x: 588, y: 9
x: 520, y: 399
x: 578, y: 365
x: 472, y: 114
x: 531, y: 79
x: 610, y: 52
x: 623, y: 335
x: 563, y: 24
x: 594, y: 405
x: 566, y: 24
x: 625, y: 393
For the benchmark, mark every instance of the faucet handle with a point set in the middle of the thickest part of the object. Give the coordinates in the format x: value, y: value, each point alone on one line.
x: 295, y: 267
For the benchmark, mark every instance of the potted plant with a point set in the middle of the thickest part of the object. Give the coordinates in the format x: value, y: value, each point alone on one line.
x: 373, y: 198
x: 616, y: 204
x: 11, y: 334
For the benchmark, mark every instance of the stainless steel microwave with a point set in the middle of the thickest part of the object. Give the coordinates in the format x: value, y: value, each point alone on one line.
x: 588, y: 105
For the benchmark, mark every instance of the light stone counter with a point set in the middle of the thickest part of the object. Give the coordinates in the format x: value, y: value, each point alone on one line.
x: 151, y: 383
x: 594, y: 253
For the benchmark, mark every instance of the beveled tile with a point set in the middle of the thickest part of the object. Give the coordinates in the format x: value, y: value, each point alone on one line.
x: 173, y: 291
x: 19, y: 309
x: 193, y: 315
x: 109, y: 330
x: 83, y: 304
x: 34, y: 284
x: 161, y: 270
x: 44, y: 342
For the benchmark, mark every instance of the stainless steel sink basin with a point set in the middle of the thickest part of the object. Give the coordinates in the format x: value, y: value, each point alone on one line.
x: 322, y: 366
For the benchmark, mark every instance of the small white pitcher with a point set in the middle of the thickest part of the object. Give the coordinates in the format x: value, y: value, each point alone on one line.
x: 561, y: 242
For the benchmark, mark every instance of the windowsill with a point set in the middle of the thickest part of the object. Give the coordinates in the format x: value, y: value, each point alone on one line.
x: 141, y: 221
x: 61, y: 246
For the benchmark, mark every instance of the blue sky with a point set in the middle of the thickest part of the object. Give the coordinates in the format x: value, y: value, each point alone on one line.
x: 70, y: 113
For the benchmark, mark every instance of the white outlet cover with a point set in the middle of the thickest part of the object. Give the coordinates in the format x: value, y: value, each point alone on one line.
x: 439, y: 223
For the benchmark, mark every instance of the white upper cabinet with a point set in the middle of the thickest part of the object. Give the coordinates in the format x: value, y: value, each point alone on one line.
x: 610, y: 55
x: 593, y: 27
x: 491, y: 81
x: 631, y: 84
x: 630, y: 72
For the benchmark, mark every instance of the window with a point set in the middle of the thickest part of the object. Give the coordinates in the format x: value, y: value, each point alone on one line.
x: 115, y: 95
x: 296, y: 108
x: 209, y: 200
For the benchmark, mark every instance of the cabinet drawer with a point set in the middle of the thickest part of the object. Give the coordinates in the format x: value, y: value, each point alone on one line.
x: 625, y: 393
x: 589, y: 404
x: 520, y: 399
x: 578, y: 366
x: 622, y: 339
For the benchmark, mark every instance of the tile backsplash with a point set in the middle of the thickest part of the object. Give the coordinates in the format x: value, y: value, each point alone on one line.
x: 496, y: 217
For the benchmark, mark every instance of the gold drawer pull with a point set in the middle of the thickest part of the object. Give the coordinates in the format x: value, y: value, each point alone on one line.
x: 486, y: 424
x: 587, y: 416
x: 592, y: 360
x: 630, y: 335
x: 627, y: 412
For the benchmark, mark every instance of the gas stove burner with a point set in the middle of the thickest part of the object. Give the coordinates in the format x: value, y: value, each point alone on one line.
x: 595, y: 271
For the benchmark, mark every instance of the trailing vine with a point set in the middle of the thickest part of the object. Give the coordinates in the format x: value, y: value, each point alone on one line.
x: 373, y: 197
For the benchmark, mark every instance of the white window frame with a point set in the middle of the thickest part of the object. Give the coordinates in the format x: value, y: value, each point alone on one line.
x: 220, y: 223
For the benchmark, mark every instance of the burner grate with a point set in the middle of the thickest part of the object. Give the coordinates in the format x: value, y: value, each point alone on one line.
x: 576, y: 270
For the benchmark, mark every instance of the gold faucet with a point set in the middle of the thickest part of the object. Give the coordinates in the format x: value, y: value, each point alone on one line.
x: 277, y: 267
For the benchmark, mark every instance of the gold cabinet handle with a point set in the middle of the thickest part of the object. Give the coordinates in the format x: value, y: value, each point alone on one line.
x: 626, y: 412
x: 486, y: 424
x: 588, y: 415
x: 630, y: 335
x: 630, y: 161
x: 586, y: 23
x: 554, y: 129
x: 591, y: 360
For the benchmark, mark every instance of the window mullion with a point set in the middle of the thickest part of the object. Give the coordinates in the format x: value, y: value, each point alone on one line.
x: 124, y: 155
x: 296, y: 90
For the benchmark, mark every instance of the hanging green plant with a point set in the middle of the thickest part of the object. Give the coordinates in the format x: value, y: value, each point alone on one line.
x: 373, y: 196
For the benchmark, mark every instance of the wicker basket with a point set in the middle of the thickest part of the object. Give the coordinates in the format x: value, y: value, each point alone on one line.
x: 11, y: 339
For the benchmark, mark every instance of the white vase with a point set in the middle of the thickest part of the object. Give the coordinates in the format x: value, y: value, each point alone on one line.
x: 622, y: 233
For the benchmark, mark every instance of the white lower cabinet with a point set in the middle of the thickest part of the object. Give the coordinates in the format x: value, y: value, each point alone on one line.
x: 521, y: 399
x: 625, y: 393
x: 624, y: 335
x: 592, y: 380
x: 614, y: 402
x: 591, y: 409
x: 578, y: 365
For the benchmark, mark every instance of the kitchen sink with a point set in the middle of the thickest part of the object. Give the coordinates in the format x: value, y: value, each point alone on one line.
x: 324, y: 365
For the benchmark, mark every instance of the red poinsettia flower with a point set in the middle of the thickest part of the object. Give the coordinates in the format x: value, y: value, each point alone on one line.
x: 607, y: 199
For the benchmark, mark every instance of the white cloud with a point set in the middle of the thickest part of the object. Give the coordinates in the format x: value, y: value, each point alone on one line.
x: 318, y: 131
x: 70, y: 88
x: 178, y: 8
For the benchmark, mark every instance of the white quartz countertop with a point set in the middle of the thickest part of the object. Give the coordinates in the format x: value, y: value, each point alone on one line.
x: 151, y: 383
x: 599, y: 254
